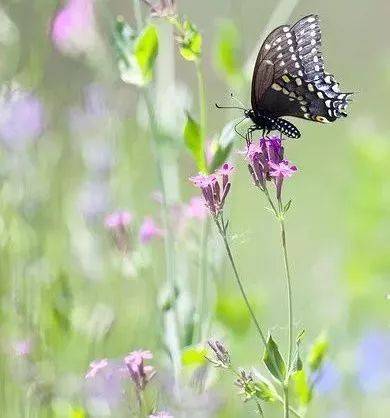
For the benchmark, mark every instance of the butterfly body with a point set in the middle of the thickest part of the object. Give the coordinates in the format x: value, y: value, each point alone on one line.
x: 289, y: 80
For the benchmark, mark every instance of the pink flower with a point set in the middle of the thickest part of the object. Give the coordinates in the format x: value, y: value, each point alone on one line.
x: 95, y: 367
x: 118, y: 220
x: 22, y: 348
x: 283, y: 169
x: 196, y: 208
x: 161, y: 415
x: 149, y: 230
x: 140, y: 373
x: 74, y: 27
x: 162, y: 8
x: 215, y: 187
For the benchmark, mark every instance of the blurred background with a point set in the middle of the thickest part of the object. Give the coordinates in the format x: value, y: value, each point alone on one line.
x: 82, y: 272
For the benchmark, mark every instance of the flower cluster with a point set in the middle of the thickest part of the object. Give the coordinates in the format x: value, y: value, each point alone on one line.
x: 222, y: 356
x: 140, y: 373
x: 215, y: 187
x: 266, y: 163
x: 163, y: 8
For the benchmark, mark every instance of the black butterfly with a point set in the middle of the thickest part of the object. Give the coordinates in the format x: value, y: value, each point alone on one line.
x: 289, y: 80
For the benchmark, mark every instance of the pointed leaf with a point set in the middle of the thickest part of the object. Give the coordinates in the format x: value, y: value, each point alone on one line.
x: 194, y: 142
x: 287, y: 206
x: 297, y: 364
x: 274, y: 361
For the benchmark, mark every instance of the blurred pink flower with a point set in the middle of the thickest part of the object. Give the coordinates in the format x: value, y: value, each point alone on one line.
x: 283, y: 169
x: 140, y: 373
x: 162, y: 8
x: 22, y: 348
x: 196, y: 208
x: 95, y: 367
x: 149, y: 230
x: 74, y: 27
x: 118, y: 220
x: 21, y: 119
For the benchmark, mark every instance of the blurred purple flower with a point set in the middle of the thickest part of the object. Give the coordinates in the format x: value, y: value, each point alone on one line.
x: 140, y: 373
x: 22, y: 348
x: 94, y: 199
x: 73, y: 27
x: 215, y: 187
x: 161, y: 415
x: 373, y: 361
x: 104, y: 383
x: 327, y: 379
x: 95, y: 367
x: 266, y: 162
x: 118, y: 220
x: 162, y: 8
x: 196, y: 208
x: 149, y: 230
x: 21, y: 119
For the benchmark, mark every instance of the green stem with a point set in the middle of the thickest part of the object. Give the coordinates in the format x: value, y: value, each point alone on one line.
x: 291, y: 409
x: 202, y: 103
x: 169, y: 243
x: 202, y: 281
x: 286, y: 402
x: 222, y: 231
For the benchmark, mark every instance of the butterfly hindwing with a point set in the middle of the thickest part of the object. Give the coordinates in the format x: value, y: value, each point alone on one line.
x: 289, y: 77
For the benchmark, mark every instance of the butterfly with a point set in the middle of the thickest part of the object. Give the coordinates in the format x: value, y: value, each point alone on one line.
x: 289, y: 80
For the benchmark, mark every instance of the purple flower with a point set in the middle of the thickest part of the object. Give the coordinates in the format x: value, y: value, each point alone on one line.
x: 161, y: 415
x: 196, y: 208
x: 162, y: 8
x: 222, y: 356
x: 74, y: 28
x: 373, y: 361
x: 140, y: 373
x: 118, y: 220
x: 266, y: 162
x: 21, y: 119
x: 215, y: 187
x: 327, y: 379
x: 95, y: 367
x: 149, y: 230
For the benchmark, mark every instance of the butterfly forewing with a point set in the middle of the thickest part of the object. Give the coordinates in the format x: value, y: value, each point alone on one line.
x: 289, y: 77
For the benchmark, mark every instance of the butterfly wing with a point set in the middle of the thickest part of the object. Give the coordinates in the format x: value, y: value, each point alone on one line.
x: 289, y: 77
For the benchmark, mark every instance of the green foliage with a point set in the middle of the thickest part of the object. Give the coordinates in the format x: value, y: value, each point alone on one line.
x: 189, y: 40
x: 232, y: 313
x: 302, y: 387
x: 318, y: 352
x: 226, y: 52
x: 265, y: 390
x: 194, y: 356
x: 297, y: 364
x: 274, y: 361
x: 223, y: 147
x: 136, y: 54
x: 194, y: 142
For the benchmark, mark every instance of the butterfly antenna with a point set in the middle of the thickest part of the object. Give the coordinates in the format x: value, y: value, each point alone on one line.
x: 237, y: 100
x: 229, y: 107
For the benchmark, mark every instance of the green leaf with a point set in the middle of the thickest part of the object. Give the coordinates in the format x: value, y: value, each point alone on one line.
x: 274, y: 361
x: 194, y: 356
x: 287, y: 206
x: 265, y: 390
x: 302, y: 387
x: 190, y: 41
x: 146, y: 49
x: 223, y: 147
x: 297, y: 364
x: 194, y: 142
x: 226, y: 51
x: 318, y: 352
x: 136, y: 54
x: 231, y: 312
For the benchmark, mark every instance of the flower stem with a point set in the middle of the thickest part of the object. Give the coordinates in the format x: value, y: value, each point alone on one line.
x: 223, y: 232
x: 202, y: 282
x: 202, y: 101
